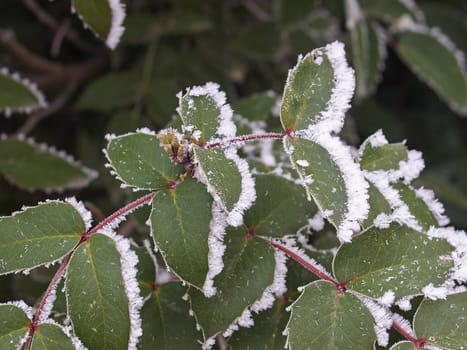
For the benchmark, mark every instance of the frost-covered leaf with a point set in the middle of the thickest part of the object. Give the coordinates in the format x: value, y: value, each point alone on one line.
x: 443, y: 322
x: 378, y: 205
x: 167, y: 324
x: 227, y: 178
x: 18, y: 95
x: 391, y: 10
x: 397, y: 258
x: 248, y: 270
x: 180, y: 225
x: 102, y: 297
x: 266, y: 333
x: 403, y: 345
x: 373, y: 156
x: 325, y: 319
x: 103, y: 17
x: 318, y: 91
x: 280, y: 209
x: 40, y: 235
x: 138, y: 160
x: 146, y: 268
x: 435, y: 59
x: 332, y: 179
x: 256, y: 106
x: 14, y: 324
x: 144, y: 27
x: 368, y: 49
x: 417, y: 207
x: 204, y: 109
x: 33, y: 166
x: 50, y: 336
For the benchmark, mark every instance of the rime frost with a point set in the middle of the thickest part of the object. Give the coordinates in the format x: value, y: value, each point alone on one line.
x: 435, y: 293
x: 353, y: 13
x: 435, y: 206
x: 117, y: 10
x: 404, y: 303
x: 22, y: 305
x: 84, y: 213
x: 382, y: 317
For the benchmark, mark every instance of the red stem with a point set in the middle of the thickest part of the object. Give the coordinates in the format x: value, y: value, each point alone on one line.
x: 419, y: 343
x: 245, y: 138
x: 306, y: 264
x: 108, y: 220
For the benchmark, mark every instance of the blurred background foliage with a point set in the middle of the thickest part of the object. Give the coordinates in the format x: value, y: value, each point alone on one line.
x: 247, y: 46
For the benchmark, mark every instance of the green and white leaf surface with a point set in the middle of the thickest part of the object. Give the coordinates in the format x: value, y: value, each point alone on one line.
x: 15, y: 318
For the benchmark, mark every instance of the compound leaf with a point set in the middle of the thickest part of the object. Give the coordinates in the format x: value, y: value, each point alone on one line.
x: 180, y: 225
x: 103, y: 17
x: 139, y: 161
x: 98, y: 305
x: 39, y: 235
x: 397, y: 258
x: 14, y: 325
x: 166, y: 321
x: 18, y: 95
x: 443, y: 322
x: 325, y: 319
x: 33, y: 166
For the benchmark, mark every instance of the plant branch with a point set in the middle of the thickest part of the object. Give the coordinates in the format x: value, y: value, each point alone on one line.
x: 419, y: 343
x: 245, y: 138
x: 308, y: 265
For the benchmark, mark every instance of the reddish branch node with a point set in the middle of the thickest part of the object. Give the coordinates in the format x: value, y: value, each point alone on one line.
x: 250, y: 234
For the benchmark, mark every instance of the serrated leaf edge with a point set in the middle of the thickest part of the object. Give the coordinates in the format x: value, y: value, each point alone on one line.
x: 90, y: 174
x: 32, y: 88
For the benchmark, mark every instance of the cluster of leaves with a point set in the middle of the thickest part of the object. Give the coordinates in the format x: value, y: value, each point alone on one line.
x: 227, y: 210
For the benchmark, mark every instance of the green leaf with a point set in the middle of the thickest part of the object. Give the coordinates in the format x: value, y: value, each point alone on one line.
x: 266, y: 332
x: 258, y: 41
x: 33, y: 166
x: 14, y: 325
x: 111, y: 91
x: 203, y: 108
x: 166, y: 321
x: 403, y: 345
x: 417, y: 207
x: 443, y: 322
x: 51, y: 336
x: 318, y: 91
x: 180, y: 220
x: 139, y: 161
x: 280, y: 209
x: 146, y: 268
x: 326, y: 183
x: 397, y: 258
x: 142, y: 28
x: 228, y: 180
x: 382, y: 157
x: 18, y: 95
x: 436, y: 63
x: 39, y: 235
x: 378, y: 205
x: 248, y: 270
x: 98, y: 306
x: 103, y: 17
x: 368, y: 54
x: 256, y: 106
x: 391, y: 10
x: 325, y: 319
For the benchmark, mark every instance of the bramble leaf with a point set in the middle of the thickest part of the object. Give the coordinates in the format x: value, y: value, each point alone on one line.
x: 39, y: 235
x: 322, y: 318
x: 397, y: 258
x: 14, y: 325
x: 98, y: 306
x: 166, y: 321
x: 256, y: 106
x: 436, y: 61
x: 403, y: 345
x: 378, y: 205
x: 139, y: 161
x: 180, y: 220
x: 204, y: 109
x: 382, y: 157
x: 442, y: 322
x: 280, y: 209
x: 53, y: 170
x: 18, y: 95
x: 103, y: 17
x: 51, y: 336
x: 248, y: 270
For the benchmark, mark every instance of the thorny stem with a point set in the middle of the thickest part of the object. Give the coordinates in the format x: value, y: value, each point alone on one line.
x: 56, y: 278
x: 245, y: 138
